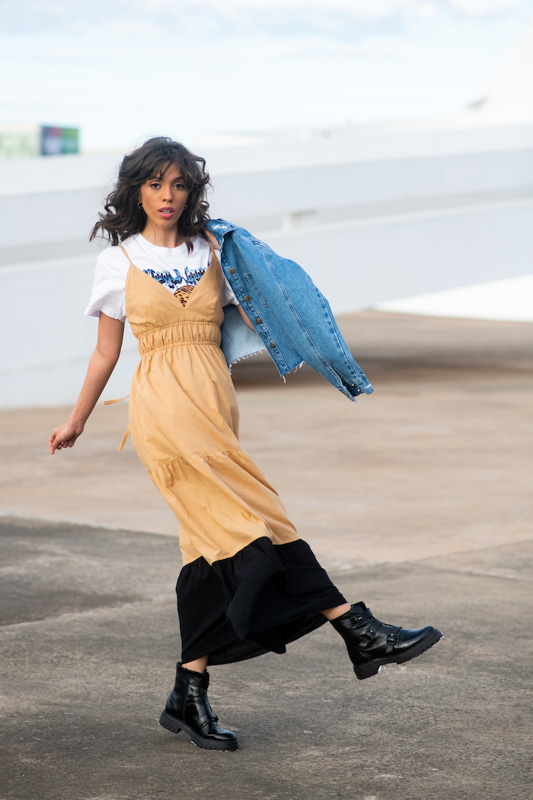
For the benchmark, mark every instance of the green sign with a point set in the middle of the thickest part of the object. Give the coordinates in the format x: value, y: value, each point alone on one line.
x: 57, y: 141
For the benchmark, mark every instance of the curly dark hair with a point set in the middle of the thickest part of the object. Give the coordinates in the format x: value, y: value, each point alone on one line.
x: 123, y: 217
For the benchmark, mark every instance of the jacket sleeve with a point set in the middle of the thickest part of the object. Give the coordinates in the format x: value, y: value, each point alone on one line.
x: 318, y: 338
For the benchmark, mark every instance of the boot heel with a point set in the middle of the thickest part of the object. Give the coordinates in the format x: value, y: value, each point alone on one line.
x: 169, y: 723
x: 363, y: 671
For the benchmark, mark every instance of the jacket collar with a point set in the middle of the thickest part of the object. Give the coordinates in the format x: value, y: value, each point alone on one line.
x: 219, y: 228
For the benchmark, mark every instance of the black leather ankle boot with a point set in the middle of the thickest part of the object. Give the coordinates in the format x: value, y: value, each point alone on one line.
x: 372, y: 643
x: 188, y: 710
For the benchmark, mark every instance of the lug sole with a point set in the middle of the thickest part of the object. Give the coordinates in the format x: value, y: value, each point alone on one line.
x: 173, y: 725
x: 371, y: 668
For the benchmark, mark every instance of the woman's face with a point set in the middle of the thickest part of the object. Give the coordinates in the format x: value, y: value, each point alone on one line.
x: 164, y: 198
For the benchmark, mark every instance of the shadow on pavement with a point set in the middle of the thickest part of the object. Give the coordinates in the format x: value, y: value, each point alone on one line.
x: 89, y: 639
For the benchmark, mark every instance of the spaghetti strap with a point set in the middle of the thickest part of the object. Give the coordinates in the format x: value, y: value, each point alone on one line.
x: 126, y: 254
x: 211, y: 240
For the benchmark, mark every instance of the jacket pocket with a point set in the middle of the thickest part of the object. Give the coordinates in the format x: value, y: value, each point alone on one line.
x: 257, y: 291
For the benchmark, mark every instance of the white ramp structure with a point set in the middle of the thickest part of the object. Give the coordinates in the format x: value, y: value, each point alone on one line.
x: 509, y: 96
x: 373, y: 214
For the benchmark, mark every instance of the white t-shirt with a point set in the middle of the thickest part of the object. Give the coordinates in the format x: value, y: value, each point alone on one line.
x: 173, y: 267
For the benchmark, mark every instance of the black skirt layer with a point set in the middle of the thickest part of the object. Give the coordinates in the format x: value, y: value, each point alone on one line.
x: 255, y: 602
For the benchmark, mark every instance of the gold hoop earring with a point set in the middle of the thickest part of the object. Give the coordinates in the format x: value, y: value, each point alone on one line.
x: 139, y: 204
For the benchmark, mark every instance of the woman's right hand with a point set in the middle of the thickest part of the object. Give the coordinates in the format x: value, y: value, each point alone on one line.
x: 101, y: 365
x: 64, y: 436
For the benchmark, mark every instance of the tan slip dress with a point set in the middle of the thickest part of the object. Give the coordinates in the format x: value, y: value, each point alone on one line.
x: 248, y: 584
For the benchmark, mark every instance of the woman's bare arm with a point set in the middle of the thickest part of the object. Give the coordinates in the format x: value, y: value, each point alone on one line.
x: 101, y: 365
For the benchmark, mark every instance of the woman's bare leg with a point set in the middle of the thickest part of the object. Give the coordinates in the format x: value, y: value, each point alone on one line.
x: 198, y: 665
x: 333, y: 613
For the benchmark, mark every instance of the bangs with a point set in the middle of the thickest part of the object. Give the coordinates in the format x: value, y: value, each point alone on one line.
x: 158, y: 166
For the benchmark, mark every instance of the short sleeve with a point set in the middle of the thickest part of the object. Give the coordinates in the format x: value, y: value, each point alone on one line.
x: 109, y: 288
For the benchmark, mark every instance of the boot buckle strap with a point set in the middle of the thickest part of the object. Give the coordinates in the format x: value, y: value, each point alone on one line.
x: 392, y: 637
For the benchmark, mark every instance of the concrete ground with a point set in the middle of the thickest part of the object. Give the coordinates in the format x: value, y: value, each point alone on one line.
x: 417, y: 500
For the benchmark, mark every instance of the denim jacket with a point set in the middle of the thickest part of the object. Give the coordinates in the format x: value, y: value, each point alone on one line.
x: 292, y: 320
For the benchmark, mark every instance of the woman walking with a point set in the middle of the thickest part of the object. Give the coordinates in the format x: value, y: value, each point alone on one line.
x: 199, y: 294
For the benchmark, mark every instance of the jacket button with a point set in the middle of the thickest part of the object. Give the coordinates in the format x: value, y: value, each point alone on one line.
x: 231, y: 271
x: 246, y: 298
x: 258, y: 320
x: 272, y: 344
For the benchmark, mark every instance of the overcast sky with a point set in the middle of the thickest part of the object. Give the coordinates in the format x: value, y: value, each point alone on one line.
x: 125, y: 69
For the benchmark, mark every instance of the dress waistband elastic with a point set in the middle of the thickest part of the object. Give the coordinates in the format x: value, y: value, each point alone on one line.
x: 186, y: 332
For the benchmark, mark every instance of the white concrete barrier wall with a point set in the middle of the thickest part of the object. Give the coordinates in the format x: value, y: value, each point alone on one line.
x: 372, y: 218
x: 360, y: 188
x: 358, y: 265
x: 46, y: 340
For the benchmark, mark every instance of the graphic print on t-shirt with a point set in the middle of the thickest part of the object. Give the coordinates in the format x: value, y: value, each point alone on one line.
x: 180, y: 285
